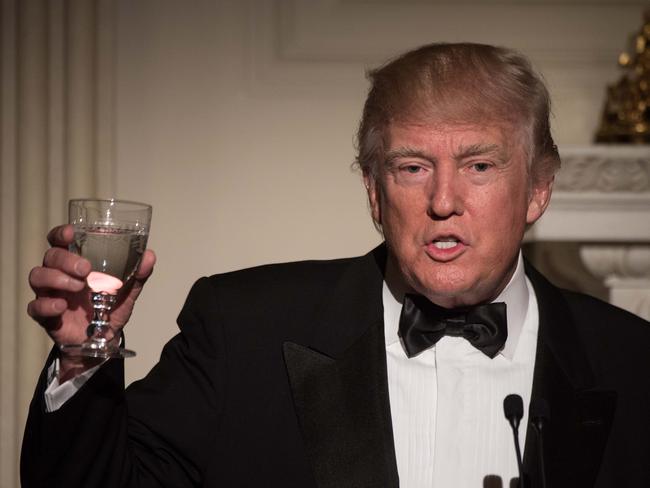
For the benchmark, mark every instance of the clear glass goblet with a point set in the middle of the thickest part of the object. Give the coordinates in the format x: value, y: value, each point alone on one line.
x: 112, y: 235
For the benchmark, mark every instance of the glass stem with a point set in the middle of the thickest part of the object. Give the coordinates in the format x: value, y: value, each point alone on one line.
x: 99, y: 330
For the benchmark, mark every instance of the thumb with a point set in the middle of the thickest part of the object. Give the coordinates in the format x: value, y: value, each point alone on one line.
x: 146, y: 267
x: 142, y: 274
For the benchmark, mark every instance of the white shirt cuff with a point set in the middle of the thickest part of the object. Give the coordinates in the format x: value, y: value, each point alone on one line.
x: 57, y: 394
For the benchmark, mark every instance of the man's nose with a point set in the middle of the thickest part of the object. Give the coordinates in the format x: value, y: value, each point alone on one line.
x: 445, y: 197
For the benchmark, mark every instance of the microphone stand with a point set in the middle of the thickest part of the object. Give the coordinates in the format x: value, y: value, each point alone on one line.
x: 539, y: 416
x: 513, y: 408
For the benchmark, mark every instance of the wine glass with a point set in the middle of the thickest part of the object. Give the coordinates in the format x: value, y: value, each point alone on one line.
x: 112, y: 235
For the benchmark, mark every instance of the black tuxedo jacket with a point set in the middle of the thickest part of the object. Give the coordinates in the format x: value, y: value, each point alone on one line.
x: 278, y: 378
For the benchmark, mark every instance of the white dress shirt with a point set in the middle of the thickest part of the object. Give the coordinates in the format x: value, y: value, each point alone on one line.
x: 447, y: 402
x: 56, y: 394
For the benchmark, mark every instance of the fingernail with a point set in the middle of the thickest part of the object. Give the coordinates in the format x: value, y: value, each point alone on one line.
x: 79, y: 268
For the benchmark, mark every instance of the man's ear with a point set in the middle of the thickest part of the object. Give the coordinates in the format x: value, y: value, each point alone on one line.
x: 539, y: 199
x: 374, y: 198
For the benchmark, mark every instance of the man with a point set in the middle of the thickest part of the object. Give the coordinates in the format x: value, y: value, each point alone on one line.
x: 338, y: 373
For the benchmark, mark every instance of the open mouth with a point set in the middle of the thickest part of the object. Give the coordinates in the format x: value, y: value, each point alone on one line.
x: 445, y: 243
x: 445, y: 248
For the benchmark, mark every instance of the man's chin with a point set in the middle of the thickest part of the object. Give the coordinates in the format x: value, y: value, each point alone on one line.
x: 449, y: 295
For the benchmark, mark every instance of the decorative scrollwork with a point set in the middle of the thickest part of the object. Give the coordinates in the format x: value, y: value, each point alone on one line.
x: 603, y: 173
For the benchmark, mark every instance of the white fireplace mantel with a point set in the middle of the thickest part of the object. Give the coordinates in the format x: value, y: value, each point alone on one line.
x: 601, y: 194
x: 601, y: 199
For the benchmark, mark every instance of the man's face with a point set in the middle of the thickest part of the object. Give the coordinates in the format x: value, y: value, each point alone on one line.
x: 453, y: 202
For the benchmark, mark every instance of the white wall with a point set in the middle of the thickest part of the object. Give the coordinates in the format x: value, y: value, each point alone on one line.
x: 235, y: 119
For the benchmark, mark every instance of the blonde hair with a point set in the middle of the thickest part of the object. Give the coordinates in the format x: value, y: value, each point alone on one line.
x: 458, y: 83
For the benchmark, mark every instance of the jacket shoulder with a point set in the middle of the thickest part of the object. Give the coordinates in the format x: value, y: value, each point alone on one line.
x: 594, y: 310
x: 616, y: 340
x: 270, y: 290
x: 291, y: 277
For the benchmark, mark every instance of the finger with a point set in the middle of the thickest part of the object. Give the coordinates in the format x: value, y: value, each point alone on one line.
x: 44, y: 279
x: 142, y: 275
x: 44, y: 308
x: 61, y: 235
x: 69, y: 263
x: 146, y: 266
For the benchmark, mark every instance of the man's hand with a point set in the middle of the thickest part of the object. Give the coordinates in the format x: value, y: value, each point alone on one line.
x: 62, y: 303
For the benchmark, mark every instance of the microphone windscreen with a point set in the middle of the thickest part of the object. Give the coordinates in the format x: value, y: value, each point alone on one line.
x: 539, y: 410
x: 513, y: 407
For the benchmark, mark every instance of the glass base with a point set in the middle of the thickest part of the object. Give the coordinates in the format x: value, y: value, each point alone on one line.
x: 96, y: 350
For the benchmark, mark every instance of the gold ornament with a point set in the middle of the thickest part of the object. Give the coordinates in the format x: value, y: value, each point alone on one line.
x: 626, y: 115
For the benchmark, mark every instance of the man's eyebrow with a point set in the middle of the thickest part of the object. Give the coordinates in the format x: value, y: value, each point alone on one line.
x: 406, y: 152
x: 477, y: 150
x: 470, y: 150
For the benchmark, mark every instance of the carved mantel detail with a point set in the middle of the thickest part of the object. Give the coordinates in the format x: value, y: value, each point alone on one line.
x: 601, y: 194
x: 604, y: 173
x: 617, y: 262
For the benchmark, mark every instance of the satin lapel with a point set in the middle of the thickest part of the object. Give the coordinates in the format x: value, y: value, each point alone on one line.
x: 580, y: 415
x: 344, y: 413
x: 340, y: 387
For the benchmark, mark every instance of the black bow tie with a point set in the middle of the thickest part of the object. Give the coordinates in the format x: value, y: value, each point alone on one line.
x: 422, y: 324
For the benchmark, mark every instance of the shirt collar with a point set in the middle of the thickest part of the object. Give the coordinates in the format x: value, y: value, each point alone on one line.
x: 515, y: 295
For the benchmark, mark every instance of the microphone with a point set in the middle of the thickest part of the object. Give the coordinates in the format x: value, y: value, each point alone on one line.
x: 539, y: 418
x: 513, y: 408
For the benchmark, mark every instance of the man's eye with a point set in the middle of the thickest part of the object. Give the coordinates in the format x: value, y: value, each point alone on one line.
x: 412, y: 168
x: 481, y: 167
